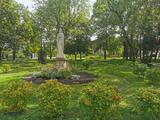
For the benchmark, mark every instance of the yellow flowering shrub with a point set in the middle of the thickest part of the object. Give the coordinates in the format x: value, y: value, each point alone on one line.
x: 148, y: 101
x: 15, y: 96
x: 6, y: 68
x: 53, y: 98
x: 97, y: 99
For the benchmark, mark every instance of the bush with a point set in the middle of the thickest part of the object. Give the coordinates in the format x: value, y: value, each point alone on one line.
x: 97, y: 99
x: 66, y: 74
x: 42, y: 56
x: 53, y: 98
x: 153, y: 75
x: 6, y: 68
x: 53, y: 74
x: 140, y: 69
x: 87, y: 63
x: 15, y: 97
x: 148, y: 101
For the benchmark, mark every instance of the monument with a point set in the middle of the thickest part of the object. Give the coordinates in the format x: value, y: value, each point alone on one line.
x: 60, y: 58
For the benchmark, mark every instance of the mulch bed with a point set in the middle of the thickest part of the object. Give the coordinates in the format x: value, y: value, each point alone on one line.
x: 84, y: 78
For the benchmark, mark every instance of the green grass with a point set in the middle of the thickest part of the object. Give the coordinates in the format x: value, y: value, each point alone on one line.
x: 110, y: 72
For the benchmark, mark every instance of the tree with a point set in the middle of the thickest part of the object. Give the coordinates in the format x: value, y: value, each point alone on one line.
x: 16, y: 26
x: 133, y: 20
x: 65, y: 14
x: 80, y: 35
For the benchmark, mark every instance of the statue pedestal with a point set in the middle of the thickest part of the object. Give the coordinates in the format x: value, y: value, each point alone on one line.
x: 61, y: 64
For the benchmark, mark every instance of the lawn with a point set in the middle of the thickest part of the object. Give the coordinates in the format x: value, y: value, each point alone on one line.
x: 110, y: 72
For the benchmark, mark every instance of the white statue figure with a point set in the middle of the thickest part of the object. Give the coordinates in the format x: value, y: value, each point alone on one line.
x: 60, y: 44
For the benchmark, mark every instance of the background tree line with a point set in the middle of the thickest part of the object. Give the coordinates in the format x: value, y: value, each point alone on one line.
x: 128, y: 28
x: 135, y: 22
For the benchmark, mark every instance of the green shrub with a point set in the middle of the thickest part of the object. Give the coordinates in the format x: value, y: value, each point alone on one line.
x: 140, y: 69
x: 87, y: 63
x: 42, y: 55
x: 15, y: 96
x: 53, y: 98
x: 6, y: 68
x: 148, y: 101
x: 153, y: 75
x: 66, y: 74
x: 97, y: 99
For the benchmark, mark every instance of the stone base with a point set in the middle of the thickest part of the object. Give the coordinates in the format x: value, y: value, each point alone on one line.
x: 61, y: 64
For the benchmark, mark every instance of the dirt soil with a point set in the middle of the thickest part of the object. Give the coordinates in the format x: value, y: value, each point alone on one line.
x: 84, y: 78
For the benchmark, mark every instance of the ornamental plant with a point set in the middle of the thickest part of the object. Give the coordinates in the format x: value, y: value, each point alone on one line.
x: 98, y: 99
x: 53, y: 98
x: 6, y: 68
x: 54, y: 74
x: 148, y: 102
x: 15, y: 96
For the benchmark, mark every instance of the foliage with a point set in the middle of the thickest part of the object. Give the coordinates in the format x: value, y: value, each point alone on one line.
x: 87, y: 63
x: 140, y: 69
x: 6, y: 68
x: 16, y: 96
x: 53, y: 98
x: 137, y: 31
x: 53, y: 74
x: 153, y: 75
x: 19, y: 37
x: 148, y: 101
x: 42, y: 56
x: 97, y: 99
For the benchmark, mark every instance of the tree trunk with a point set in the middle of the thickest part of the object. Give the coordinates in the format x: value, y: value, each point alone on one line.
x: 80, y: 55
x: 50, y: 50
x: 31, y: 55
x: 132, y: 54
x: 105, y: 54
x: 143, y: 55
x: 140, y: 53
x: 14, y: 54
x: 75, y: 56
x: 156, y: 54
x: 150, y: 58
x: 125, y: 52
x: 0, y: 53
x: 136, y: 55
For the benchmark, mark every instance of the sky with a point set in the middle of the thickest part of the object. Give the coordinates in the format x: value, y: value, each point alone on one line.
x: 30, y: 3
x: 27, y: 3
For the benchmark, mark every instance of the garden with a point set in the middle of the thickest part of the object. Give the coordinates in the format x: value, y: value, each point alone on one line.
x: 79, y: 60
x: 122, y: 90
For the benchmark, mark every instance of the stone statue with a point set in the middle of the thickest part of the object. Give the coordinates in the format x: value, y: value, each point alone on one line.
x: 60, y: 44
x: 60, y: 59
